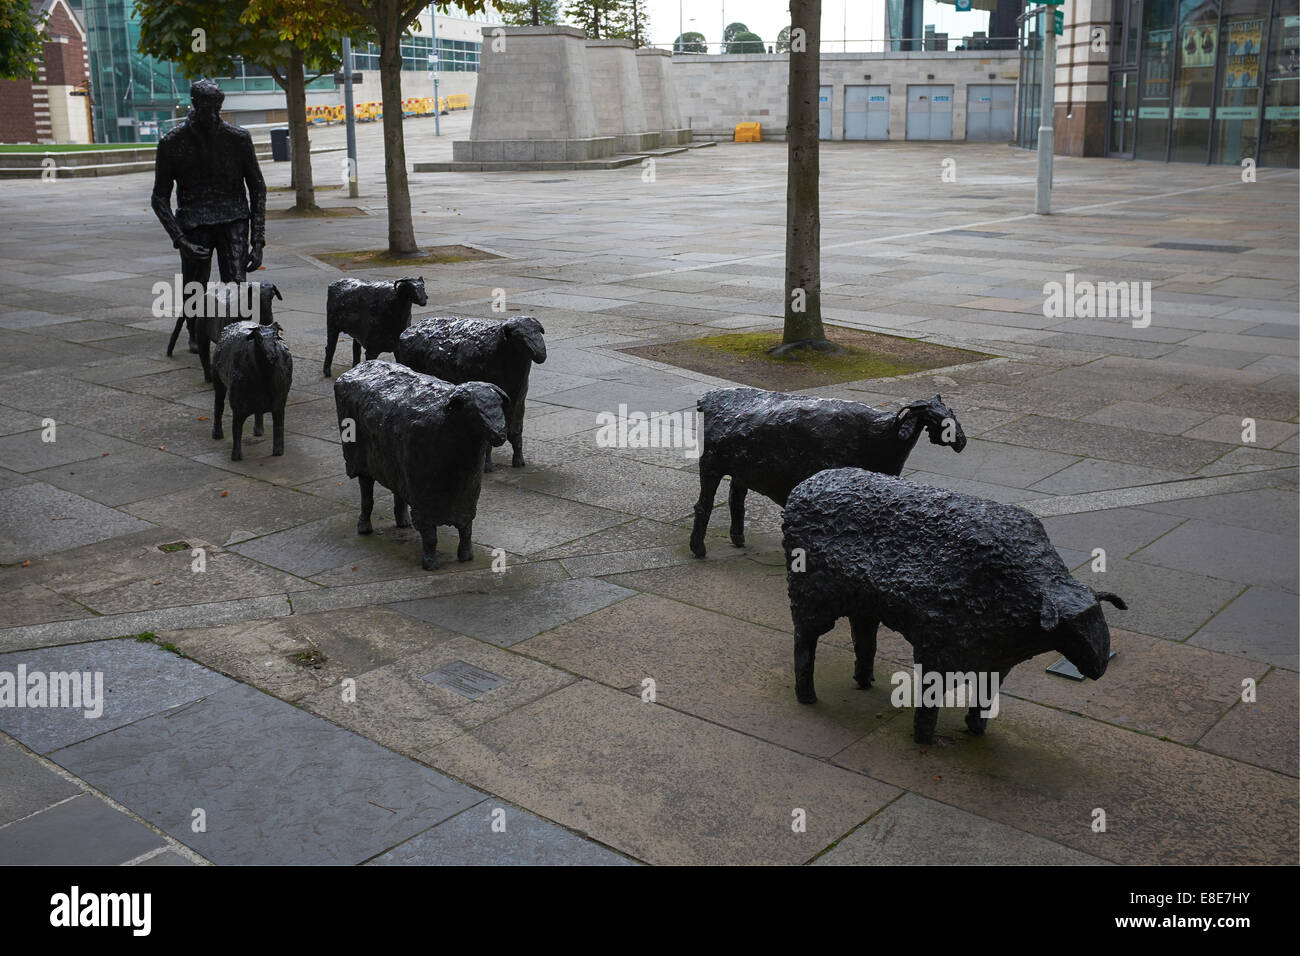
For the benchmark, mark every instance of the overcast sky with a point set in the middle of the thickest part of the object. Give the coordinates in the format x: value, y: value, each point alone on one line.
x: 856, y: 19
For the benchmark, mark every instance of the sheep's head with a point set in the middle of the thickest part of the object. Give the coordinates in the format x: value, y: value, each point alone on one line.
x: 266, y: 291
x: 484, y: 403
x: 525, y: 332
x: 413, y: 288
x: 1078, y: 628
x: 936, y: 418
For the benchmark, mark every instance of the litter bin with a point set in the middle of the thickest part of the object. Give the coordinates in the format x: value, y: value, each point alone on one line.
x: 280, y: 145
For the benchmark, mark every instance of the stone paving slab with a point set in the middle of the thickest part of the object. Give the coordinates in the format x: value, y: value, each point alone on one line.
x: 28, y: 786
x: 295, y: 655
x: 916, y: 831
x: 41, y: 519
x: 1260, y: 732
x: 139, y: 680
x: 1260, y: 624
x: 402, y: 707
x: 1151, y: 685
x: 586, y: 754
x: 730, y: 673
x: 506, y: 617
x: 295, y: 798
x: 82, y: 831
x: 468, y: 839
x: 1163, y: 804
x: 1226, y: 552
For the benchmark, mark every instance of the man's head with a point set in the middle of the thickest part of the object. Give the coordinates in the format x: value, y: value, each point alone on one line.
x: 206, y: 98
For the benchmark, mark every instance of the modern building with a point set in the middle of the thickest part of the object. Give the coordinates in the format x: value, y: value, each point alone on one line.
x: 135, y: 98
x: 54, y: 107
x: 1193, y: 81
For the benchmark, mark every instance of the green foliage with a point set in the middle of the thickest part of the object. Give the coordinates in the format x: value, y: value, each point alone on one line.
x: 690, y: 43
x: 528, y: 13
x: 746, y: 42
x: 629, y: 20
x: 783, y: 40
x: 21, y: 44
x: 593, y: 16
x: 730, y: 31
x: 257, y: 32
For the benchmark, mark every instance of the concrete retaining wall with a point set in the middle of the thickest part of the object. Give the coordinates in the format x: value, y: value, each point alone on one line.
x: 715, y: 93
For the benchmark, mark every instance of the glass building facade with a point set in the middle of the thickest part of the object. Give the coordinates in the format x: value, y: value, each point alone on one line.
x: 1205, y: 81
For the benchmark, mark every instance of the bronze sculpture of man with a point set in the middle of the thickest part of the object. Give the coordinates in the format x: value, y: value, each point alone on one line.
x: 220, y: 197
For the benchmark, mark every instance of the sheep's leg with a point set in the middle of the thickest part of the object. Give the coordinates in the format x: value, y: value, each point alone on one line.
x: 487, y: 459
x: 370, y: 356
x: 428, y: 541
x: 356, y: 353
x: 806, y: 634
x: 703, y: 508
x: 515, y: 434
x: 218, y: 407
x: 331, y: 343
x: 864, y: 648
x: 237, y: 430
x: 736, y: 502
x: 191, y: 325
x: 924, y: 719
x: 401, y: 512
x: 465, y: 550
x: 277, y: 431
x: 258, y: 429
x: 976, y: 723
x: 176, y: 333
x: 367, y: 485
x: 205, y: 358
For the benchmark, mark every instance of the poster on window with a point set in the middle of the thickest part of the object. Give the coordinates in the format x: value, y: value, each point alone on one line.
x: 1198, y: 47
x: 1245, y: 39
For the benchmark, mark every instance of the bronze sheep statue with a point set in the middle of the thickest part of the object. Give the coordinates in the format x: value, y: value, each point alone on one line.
x: 770, y: 441
x: 974, y: 586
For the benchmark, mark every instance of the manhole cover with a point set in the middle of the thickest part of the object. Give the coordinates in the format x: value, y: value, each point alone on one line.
x: 465, y: 679
x: 1200, y: 247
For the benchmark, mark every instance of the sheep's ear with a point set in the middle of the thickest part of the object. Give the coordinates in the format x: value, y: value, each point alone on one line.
x: 906, y: 422
x: 1049, y: 616
x: 275, y: 291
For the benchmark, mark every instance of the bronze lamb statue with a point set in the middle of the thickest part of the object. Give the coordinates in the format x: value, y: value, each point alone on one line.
x: 769, y: 442
x: 973, y: 585
x: 424, y: 440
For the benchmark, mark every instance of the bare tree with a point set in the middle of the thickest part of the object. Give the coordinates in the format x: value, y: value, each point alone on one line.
x: 803, y: 281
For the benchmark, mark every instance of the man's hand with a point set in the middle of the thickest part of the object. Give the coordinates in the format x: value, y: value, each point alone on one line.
x: 254, y: 257
x: 191, y: 250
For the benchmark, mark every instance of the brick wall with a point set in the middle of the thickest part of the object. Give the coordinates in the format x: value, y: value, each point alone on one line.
x: 17, y: 121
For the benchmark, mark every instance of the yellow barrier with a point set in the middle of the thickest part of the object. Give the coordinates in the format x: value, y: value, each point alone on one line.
x: 458, y: 101
x: 748, y: 133
x: 369, y: 112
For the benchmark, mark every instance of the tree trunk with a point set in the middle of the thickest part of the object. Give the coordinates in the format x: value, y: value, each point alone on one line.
x: 295, y: 95
x: 401, y: 231
x: 803, y: 276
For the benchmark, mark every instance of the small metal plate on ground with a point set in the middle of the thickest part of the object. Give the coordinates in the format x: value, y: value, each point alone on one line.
x: 1064, y: 668
x: 465, y: 679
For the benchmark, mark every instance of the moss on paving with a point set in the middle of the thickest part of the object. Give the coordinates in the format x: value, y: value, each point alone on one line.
x: 744, y: 357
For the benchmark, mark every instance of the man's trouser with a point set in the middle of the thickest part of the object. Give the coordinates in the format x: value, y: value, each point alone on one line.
x: 230, y: 242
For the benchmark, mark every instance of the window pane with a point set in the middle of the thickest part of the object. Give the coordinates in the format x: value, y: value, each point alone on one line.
x: 1236, y: 115
x: 1282, y: 89
x: 1153, y: 89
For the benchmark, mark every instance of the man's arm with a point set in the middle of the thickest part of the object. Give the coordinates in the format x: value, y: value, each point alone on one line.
x: 256, y: 194
x: 163, y: 179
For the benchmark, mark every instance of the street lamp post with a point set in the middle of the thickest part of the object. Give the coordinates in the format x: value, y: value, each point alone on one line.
x: 350, y: 120
x: 1046, y: 116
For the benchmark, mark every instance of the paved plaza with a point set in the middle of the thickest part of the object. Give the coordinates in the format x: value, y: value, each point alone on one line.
x: 321, y: 699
